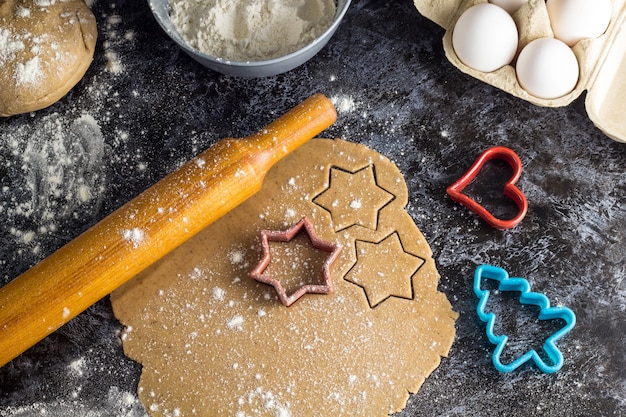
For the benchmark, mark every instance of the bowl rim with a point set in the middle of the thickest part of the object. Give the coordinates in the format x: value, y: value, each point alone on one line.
x: 160, y: 11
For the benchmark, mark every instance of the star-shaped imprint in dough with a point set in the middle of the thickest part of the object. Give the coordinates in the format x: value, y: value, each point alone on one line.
x: 353, y: 198
x: 259, y: 272
x: 384, y: 269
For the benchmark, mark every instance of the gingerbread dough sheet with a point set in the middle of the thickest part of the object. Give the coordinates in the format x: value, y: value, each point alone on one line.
x: 215, y: 342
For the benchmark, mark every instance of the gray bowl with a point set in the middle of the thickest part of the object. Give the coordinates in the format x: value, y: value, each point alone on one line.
x: 249, y: 69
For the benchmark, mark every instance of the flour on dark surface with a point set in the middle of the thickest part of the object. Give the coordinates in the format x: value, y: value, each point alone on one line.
x: 145, y: 108
x: 54, y: 176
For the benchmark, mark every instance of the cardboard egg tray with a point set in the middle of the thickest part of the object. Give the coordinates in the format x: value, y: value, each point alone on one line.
x: 602, y: 60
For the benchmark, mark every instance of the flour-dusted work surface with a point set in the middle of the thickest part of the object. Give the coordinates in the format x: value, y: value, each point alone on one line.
x: 144, y: 108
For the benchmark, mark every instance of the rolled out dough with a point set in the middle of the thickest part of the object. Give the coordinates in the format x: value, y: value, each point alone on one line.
x: 46, y: 47
x: 215, y: 342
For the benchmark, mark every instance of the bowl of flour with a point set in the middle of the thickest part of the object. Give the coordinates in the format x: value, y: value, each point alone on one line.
x: 250, y: 38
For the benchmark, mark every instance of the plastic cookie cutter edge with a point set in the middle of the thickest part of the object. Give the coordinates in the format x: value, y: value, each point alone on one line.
x: 529, y: 298
x: 455, y: 191
x: 258, y: 273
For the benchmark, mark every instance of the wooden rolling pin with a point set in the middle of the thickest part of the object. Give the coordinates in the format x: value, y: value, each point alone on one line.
x: 146, y: 228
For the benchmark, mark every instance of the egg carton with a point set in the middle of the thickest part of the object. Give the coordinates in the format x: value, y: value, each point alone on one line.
x: 602, y: 60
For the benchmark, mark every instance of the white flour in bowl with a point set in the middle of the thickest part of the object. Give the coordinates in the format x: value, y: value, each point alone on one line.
x: 251, y: 30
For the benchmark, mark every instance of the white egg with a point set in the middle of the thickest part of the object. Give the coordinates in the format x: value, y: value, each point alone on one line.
x: 485, y: 37
x: 511, y: 6
x: 573, y: 20
x: 547, y: 68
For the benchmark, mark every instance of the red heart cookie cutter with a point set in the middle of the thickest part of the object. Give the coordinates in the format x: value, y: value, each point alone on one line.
x: 510, y: 190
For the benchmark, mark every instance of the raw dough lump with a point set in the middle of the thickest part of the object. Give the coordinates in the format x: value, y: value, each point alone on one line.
x: 46, y: 47
x: 215, y: 342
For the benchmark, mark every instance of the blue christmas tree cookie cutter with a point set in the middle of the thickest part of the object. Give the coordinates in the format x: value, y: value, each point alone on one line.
x: 529, y: 298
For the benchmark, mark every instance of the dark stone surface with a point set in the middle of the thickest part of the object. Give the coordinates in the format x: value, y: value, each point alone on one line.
x: 124, y: 127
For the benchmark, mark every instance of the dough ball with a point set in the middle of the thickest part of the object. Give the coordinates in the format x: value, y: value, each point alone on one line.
x: 46, y: 47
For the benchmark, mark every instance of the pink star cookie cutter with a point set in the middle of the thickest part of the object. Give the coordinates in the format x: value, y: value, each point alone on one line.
x: 258, y: 273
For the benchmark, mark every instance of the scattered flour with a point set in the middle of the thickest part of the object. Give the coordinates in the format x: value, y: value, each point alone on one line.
x: 235, y: 323
x: 236, y: 257
x: 218, y: 294
x: 22, y: 11
x: 57, y: 168
x: 267, y: 401
x: 9, y: 45
x: 343, y: 103
x: 29, y: 72
x: 196, y: 273
x: 77, y: 367
x: 114, y: 65
x: 12, y: 43
x: 125, y: 404
x: 135, y: 235
x: 251, y: 30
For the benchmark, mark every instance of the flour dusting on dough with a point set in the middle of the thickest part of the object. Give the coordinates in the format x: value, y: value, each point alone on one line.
x: 358, y: 351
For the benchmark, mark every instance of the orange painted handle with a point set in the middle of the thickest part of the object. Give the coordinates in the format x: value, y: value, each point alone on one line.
x: 148, y: 227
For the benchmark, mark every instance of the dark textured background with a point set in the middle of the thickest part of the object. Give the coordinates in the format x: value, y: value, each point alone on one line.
x: 144, y: 108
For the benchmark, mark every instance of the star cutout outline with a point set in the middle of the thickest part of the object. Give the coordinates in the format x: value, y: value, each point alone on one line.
x: 356, y: 221
x: 363, y: 286
x: 258, y: 273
